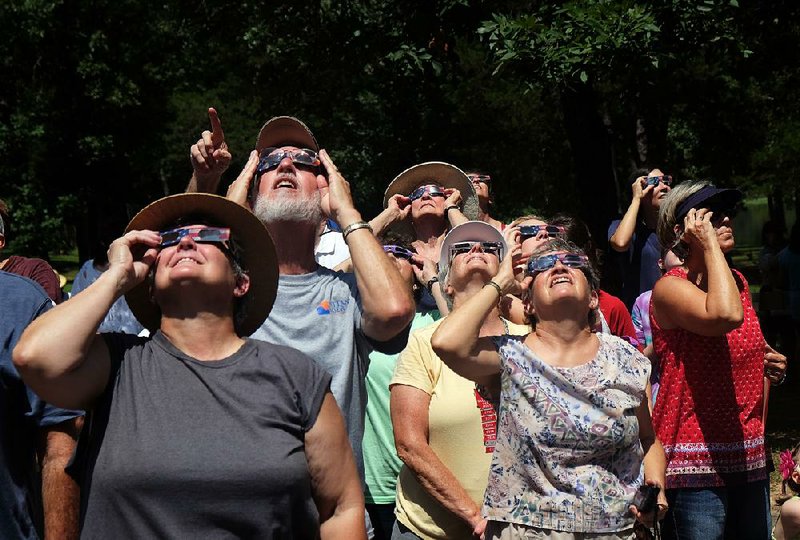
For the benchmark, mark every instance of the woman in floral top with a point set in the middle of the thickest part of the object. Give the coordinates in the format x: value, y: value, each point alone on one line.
x: 574, y: 426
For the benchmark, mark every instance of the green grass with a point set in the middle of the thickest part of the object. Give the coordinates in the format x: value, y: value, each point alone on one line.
x: 67, y: 264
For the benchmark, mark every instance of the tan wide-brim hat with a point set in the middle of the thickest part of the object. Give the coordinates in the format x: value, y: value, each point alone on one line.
x: 432, y: 172
x: 471, y: 231
x: 285, y: 131
x: 258, y: 256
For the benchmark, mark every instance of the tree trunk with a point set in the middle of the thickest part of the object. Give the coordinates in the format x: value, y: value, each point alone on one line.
x: 593, y: 159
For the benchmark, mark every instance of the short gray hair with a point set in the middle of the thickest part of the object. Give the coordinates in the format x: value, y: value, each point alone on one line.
x: 667, y: 218
x: 590, y: 271
x: 561, y: 244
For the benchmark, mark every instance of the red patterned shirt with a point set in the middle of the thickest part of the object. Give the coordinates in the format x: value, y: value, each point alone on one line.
x: 708, y: 414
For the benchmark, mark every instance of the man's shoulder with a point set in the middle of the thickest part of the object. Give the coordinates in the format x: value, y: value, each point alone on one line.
x: 21, y: 288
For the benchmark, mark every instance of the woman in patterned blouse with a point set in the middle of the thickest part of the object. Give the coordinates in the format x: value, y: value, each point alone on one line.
x: 575, y: 441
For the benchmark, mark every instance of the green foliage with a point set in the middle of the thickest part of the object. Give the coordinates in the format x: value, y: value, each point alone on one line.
x: 102, y: 100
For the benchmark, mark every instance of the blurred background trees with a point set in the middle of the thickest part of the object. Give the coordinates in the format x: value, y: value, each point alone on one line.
x: 101, y: 100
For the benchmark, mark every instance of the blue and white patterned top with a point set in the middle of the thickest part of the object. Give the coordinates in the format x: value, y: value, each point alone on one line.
x: 568, y: 456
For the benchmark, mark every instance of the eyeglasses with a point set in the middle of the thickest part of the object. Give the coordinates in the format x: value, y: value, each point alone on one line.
x: 475, y: 178
x: 654, y: 180
x: 433, y: 190
x: 200, y: 235
x: 492, y: 248
x: 271, y: 158
x: 528, y: 231
x: 398, y: 251
x: 546, y: 262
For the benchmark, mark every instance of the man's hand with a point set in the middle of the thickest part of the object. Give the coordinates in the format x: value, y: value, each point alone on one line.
x: 239, y: 189
x: 337, y: 201
x: 131, y: 256
x: 210, y: 156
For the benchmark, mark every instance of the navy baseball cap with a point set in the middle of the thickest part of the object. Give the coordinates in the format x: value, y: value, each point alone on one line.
x: 709, y: 197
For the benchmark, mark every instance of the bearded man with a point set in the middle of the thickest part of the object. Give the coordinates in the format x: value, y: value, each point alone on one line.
x: 336, y: 318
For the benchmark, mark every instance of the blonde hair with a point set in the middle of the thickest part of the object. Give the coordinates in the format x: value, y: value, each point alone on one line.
x: 667, y: 218
x: 526, y: 218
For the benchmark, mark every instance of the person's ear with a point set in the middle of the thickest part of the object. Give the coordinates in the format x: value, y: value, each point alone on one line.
x: 242, y: 286
x: 595, y: 300
x: 2, y: 241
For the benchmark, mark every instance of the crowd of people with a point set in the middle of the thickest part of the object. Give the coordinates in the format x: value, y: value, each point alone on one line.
x: 269, y: 364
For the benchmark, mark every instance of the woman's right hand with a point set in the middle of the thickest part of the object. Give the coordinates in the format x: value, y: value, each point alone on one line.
x: 131, y: 256
x: 399, y: 206
x: 698, y: 229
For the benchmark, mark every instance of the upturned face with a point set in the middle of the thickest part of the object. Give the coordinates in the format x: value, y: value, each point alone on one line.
x: 288, y: 191
x: 531, y: 243
x: 431, y: 203
x: 659, y: 192
x: 191, y: 260
x: 471, y: 265
x: 559, y: 289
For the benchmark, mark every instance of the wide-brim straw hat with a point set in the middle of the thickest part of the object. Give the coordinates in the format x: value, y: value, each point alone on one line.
x: 285, y: 131
x: 432, y: 172
x: 257, y: 252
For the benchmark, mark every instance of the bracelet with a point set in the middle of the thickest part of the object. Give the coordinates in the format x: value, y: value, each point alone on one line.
x: 448, y: 208
x: 497, y: 287
x: 780, y: 382
x: 429, y: 284
x: 354, y: 227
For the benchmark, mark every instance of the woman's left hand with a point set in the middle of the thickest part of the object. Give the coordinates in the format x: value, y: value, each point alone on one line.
x: 661, y: 507
x: 774, y: 365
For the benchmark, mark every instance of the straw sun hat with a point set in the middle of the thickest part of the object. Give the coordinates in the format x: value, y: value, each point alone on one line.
x: 258, y: 252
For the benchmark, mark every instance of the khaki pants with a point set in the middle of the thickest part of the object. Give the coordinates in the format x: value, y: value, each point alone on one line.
x: 498, y: 530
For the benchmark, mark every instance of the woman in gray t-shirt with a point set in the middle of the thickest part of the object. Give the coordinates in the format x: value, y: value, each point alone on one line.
x: 197, y: 432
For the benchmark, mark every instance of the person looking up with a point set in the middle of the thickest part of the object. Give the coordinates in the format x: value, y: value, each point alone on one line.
x: 633, y: 241
x: 482, y: 182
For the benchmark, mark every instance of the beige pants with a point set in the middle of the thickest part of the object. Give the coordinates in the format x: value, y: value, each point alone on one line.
x: 498, y: 530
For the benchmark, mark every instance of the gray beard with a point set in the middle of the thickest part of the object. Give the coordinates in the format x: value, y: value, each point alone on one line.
x: 289, y: 209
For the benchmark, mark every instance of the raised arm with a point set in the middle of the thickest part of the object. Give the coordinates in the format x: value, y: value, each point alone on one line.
x: 209, y: 156
x: 386, y: 301
x: 397, y: 209
x: 334, y: 479
x: 457, y: 340
x: 409, y: 409
x: 60, y: 355
x: 452, y: 208
x: 678, y: 303
x: 621, y: 239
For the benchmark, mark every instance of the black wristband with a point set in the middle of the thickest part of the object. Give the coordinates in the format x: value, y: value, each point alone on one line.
x: 429, y: 284
x: 448, y: 208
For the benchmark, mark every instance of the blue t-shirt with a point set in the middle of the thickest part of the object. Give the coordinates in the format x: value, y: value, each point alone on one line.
x: 638, y: 266
x: 22, y: 413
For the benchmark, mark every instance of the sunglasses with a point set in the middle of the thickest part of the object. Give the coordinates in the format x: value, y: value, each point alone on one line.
x: 654, y: 180
x: 398, y: 251
x: 493, y: 248
x: 485, y: 178
x: 546, y: 262
x: 200, y: 235
x: 431, y: 189
x: 271, y: 158
x: 529, y: 231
